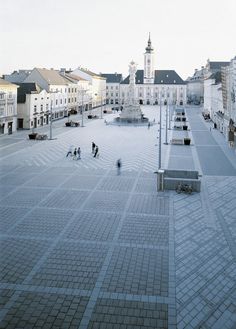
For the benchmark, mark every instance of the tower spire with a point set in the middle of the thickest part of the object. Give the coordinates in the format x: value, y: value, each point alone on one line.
x: 149, y: 48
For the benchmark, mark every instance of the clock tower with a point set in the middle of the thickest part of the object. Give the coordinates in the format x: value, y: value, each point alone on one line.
x: 149, y: 71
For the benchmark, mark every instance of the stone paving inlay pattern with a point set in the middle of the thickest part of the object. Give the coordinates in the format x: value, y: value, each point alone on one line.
x: 81, y: 247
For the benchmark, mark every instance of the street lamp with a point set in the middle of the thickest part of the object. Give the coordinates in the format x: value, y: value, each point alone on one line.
x: 166, y: 143
x: 50, y: 122
x: 159, y: 158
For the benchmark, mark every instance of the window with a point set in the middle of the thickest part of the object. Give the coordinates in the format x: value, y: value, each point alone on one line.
x: 106, y: 87
x: 1, y: 111
x: 61, y: 101
x: 47, y: 107
x: 65, y: 100
x: 56, y: 101
x: 35, y: 108
x: 68, y: 100
x: 111, y: 87
x: 117, y: 94
x: 117, y: 87
x: 75, y: 99
x: 111, y: 94
x: 111, y: 101
x: 72, y: 90
x: 35, y: 99
x: 41, y: 107
x: 68, y: 90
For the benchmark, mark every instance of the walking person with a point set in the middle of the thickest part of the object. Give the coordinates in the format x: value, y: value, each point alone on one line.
x: 74, y: 154
x: 149, y: 125
x: 96, y: 152
x: 78, y: 153
x: 118, y: 165
x: 70, y: 151
x: 93, y: 147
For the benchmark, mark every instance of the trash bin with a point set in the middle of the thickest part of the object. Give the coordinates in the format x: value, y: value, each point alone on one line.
x: 160, y: 180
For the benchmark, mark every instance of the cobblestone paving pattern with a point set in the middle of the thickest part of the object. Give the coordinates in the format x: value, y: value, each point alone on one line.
x: 81, y: 247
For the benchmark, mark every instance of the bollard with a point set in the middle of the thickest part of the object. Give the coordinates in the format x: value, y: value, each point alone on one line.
x: 160, y: 180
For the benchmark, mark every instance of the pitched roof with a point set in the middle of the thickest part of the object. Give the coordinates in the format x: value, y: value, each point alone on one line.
x: 26, y: 88
x: 162, y: 77
x: 90, y: 73
x: 16, y: 76
x: 52, y: 77
x: 4, y: 82
x: 112, y: 77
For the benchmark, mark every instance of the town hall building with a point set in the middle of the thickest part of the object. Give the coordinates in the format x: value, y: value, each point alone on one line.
x: 153, y: 86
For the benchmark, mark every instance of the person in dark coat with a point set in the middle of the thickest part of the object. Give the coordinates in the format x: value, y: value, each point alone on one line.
x: 78, y: 153
x: 96, y: 152
x: 93, y: 147
x: 118, y: 165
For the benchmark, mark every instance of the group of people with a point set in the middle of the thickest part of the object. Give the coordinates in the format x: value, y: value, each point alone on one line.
x: 75, y: 152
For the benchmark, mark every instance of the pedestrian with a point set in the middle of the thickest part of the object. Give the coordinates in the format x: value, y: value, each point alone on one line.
x: 149, y: 125
x: 118, y: 165
x: 93, y: 147
x: 78, y: 153
x: 74, y: 154
x: 69, y: 151
x: 96, y: 152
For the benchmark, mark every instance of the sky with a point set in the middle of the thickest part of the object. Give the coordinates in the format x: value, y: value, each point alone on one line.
x: 105, y: 35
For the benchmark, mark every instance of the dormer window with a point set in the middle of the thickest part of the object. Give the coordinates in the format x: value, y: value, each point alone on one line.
x: 167, y: 75
x: 174, y: 81
x: 161, y: 81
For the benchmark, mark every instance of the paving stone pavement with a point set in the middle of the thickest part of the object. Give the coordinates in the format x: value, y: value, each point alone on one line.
x: 84, y: 248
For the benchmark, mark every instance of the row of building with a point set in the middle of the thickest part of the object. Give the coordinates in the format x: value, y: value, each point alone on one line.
x: 29, y: 97
x: 214, y: 86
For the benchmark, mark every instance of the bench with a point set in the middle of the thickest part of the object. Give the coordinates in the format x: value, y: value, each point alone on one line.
x: 171, y: 178
x: 177, y: 141
x: 41, y: 137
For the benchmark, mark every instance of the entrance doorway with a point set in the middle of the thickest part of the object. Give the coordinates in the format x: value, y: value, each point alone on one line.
x: 9, y: 128
x: 141, y: 102
x: 20, y: 123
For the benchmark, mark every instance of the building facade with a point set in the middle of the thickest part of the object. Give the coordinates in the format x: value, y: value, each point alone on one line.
x: 113, y: 81
x: 96, y: 92
x: 8, y: 107
x: 153, y: 86
x: 33, y: 106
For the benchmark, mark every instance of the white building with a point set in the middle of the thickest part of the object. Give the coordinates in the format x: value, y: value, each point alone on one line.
x: 153, y: 85
x: 33, y: 106
x: 213, y: 100
x: 96, y: 86
x: 8, y: 107
x: 54, y: 84
x: 229, y: 100
x: 195, y: 84
x: 113, y: 81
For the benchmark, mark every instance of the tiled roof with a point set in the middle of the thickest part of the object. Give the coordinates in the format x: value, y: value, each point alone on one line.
x: 4, y: 82
x: 91, y: 73
x: 26, y: 88
x: 112, y: 77
x: 52, y: 77
x: 162, y: 77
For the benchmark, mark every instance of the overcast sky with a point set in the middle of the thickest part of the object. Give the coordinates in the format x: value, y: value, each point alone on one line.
x: 105, y: 35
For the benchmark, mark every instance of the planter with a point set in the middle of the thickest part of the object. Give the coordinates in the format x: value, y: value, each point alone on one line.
x: 33, y: 135
x: 185, y: 127
x: 187, y: 141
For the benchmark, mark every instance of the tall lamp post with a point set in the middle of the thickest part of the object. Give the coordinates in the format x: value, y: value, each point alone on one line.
x: 166, y: 143
x: 50, y: 131
x: 160, y: 123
